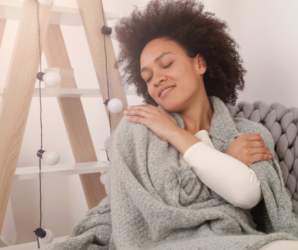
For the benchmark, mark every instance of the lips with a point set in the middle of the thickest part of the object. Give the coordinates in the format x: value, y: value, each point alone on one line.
x: 166, y: 92
x: 163, y: 88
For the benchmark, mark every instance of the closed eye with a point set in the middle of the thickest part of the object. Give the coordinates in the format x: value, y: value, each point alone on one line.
x: 168, y: 65
x: 163, y: 67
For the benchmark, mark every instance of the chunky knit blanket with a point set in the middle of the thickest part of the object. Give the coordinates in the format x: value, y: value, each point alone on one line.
x: 155, y: 204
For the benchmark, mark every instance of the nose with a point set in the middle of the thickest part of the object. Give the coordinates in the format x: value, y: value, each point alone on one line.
x: 159, y: 77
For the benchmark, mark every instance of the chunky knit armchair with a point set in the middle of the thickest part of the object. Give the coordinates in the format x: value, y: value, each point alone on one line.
x: 282, y: 123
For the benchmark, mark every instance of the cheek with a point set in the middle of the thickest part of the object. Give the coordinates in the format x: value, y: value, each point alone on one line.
x: 182, y: 73
x: 177, y: 73
x: 150, y: 91
x: 187, y: 81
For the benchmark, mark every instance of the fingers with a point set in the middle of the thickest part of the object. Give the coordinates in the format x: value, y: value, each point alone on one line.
x: 147, y: 107
x: 258, y: 146
x: 139, y: 112
x: 254, y: 137
x: 261, y: 150
x: 253, y: 148
x: 255, y: 140
x: 260, y: 157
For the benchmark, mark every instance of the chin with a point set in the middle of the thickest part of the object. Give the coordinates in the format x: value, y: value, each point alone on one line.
x: 169, y: 108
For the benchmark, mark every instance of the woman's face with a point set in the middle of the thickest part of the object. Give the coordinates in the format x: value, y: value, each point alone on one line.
x: 165, y: 64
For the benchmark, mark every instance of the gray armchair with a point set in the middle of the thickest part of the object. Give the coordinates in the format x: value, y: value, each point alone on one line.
x: 282, y: 123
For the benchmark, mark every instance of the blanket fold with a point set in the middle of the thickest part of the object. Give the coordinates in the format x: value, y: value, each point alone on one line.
x: 155, y: 204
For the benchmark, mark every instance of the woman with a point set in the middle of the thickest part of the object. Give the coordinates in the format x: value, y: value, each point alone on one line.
x: 178, y: 56
x: 186, y: 68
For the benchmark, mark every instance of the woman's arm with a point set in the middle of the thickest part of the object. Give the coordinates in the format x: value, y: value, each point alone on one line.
x: 225, y: 175
x: 182, y: 140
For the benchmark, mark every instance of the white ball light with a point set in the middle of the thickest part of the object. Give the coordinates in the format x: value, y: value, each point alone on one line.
x: 115, y: 105
x: 51, y: 157
x: 48, y: 238
x: 103, y: 178
x: 45, y: 2
x: 51, y: 79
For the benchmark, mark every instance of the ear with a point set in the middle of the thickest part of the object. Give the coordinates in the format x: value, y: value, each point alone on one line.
x: 201, y: 63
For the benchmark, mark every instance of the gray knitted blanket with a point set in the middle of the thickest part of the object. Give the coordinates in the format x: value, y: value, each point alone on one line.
x: 155, y: 204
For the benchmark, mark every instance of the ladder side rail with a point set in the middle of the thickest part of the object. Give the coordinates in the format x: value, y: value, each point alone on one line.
x: 74, y: 117
x: 92, y: 19
x: 2, y: 27
x: 17, y: 95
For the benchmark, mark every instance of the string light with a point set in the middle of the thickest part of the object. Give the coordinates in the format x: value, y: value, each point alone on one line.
x: 52, y: 79
x: 114, y: 105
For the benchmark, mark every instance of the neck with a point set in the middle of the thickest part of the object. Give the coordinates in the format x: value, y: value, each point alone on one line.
x: 198, y: 116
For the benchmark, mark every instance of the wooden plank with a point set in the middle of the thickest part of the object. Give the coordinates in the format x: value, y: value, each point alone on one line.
x: 25, y: 173
x: 91, y: 15
x: 17, y: 95
x: 2, y: 27
x: 70, y: 92
x: 12, y: 9
x: 74, y: 119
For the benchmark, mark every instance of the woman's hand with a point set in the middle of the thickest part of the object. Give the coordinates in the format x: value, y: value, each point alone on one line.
x: 158, y: 120
x: 249, y: 149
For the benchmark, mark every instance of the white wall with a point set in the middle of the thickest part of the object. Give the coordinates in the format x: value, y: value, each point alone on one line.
x: 267, y: 34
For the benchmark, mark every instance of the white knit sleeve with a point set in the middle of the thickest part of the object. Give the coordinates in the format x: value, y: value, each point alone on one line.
x: 225, y: 175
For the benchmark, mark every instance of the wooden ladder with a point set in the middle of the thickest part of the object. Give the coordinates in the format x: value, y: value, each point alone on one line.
x: 21, y: 79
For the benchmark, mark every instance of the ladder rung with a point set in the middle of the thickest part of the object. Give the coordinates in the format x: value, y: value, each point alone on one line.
x: 12, y: 9
x: 70, y: 92
x: 24, y: 173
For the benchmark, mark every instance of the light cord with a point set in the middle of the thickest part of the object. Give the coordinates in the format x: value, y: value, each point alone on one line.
x: 40, y: 206
x: 40, y: 197
x: 104, y: 41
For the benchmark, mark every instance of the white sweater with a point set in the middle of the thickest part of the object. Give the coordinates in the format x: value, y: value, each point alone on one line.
x: 225, y: 175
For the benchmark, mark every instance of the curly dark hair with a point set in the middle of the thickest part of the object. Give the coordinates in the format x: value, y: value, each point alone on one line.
x: 183, y: 22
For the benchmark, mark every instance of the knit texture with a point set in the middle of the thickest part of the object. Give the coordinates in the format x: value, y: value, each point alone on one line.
x: 282, y: 124
x: 155, y: 204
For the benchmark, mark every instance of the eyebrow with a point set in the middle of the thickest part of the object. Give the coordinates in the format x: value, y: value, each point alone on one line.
x: 156, y: 59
